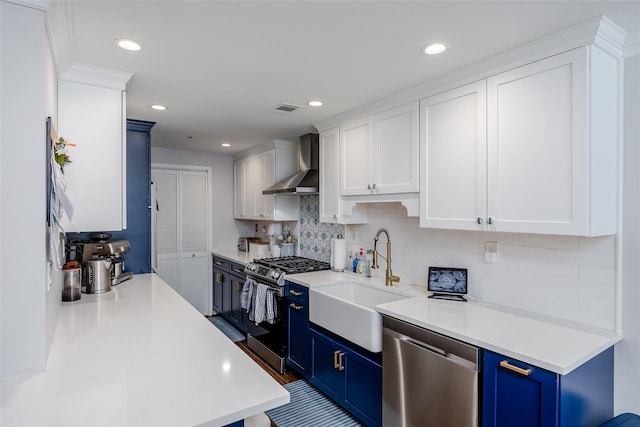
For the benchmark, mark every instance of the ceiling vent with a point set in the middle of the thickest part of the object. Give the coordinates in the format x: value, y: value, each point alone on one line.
x: 287, y: 108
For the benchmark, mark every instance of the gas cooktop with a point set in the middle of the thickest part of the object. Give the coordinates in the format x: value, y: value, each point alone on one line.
x: 293, y: 264
x: 273, y: 270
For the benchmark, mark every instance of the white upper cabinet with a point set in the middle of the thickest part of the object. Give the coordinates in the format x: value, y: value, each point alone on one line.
x: 330, y: 200
x: 550, y: 149
x: 379, y: 154
x: 453, y: 158
x: 92, y: 116
x: 256, y: 172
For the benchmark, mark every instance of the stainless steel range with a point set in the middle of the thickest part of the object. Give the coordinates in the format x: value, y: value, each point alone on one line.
x: 269, y: 340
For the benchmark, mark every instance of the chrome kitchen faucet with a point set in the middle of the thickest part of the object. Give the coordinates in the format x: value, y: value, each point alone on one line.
x: 389, y: 278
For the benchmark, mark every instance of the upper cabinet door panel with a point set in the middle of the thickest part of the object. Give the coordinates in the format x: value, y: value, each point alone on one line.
x: 396, y: 150
x: 453, y: 158
x: 329, y: 167
x: 95, y: 176
x: 357, y: 157
x: 538, y: 146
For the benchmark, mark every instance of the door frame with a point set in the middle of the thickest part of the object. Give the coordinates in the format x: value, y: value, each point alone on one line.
x: 209, y: 172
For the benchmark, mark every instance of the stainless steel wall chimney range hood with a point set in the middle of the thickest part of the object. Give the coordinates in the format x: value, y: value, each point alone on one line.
x: 307, y: 180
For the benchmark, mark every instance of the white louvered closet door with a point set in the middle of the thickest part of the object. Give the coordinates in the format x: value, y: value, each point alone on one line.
x: 181, y: 233
x: 193, y: 239
x: 166, y: 232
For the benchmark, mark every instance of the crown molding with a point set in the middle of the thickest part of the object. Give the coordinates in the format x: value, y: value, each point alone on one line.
x: 632, y: 45
x: 96, y: 76
x: 600, y: 31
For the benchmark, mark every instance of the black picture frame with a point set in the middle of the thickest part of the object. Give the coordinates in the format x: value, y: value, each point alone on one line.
x: 454, y: 287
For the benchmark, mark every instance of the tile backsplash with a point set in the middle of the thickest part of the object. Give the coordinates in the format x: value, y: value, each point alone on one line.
x: 567, y: 277
x: 314, y: 236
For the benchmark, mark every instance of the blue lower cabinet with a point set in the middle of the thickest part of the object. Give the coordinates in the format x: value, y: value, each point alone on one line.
x: 348, y: 375
x: 519, y: 394
x: 298, y: 317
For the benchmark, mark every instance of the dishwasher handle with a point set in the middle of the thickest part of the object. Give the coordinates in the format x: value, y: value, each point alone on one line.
x: 423, y: 345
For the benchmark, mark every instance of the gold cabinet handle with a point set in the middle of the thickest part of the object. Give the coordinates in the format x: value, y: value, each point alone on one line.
x: 239, y: 287
x: 238, y: 270
x: 296, y: 307
x: 513, y: 368
x: 335, y: 359
x: 219, y: 262
x: 295, y: 293
x: 340, y: 366
x: 219, y: 277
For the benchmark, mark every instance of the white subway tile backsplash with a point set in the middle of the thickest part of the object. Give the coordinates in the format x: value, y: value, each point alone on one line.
x: 562, y: 276
x: 547, y: 241
x: 605, y: 244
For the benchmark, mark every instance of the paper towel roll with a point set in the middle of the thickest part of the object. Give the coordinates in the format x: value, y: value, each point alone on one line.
x: 338, y: 254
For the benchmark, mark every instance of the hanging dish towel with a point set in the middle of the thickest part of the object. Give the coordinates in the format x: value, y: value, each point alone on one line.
x: 271, y: 314
x: 260, y: 307
x: 247, y: 294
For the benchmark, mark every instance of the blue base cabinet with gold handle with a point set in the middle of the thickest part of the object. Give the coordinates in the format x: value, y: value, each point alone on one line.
x: 348, y: 374
x: 523, y: 395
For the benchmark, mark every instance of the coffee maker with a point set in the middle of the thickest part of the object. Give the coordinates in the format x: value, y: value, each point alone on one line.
x: 106, y: 258
x: 114, y: 251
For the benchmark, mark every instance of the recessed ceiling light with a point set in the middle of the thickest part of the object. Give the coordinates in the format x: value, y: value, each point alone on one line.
x: 158, y: 107
x: 434, y: 48
x: 127, y: 44
x: 315, y: 103
x: 225, y: 144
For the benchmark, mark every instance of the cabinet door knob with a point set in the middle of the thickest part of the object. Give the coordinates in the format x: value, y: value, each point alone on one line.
x: 335, y: 216
x: 374, y: 186
x: 505, y: 364
x: 489, y: 220
x: 479, y: 220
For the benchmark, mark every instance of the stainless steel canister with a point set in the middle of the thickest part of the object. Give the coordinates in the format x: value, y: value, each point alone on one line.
x: 97, y: 275
x: 71, y: 284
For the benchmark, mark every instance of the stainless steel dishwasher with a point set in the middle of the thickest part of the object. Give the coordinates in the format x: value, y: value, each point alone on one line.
x: 428, y: 379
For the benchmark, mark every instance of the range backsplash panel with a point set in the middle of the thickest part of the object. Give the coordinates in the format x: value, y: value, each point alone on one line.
x: 315, y: 236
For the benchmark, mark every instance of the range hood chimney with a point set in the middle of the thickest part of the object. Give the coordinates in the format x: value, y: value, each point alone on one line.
x: 307, y: 180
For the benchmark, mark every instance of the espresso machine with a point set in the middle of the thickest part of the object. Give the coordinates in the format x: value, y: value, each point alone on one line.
x: 102, y: 261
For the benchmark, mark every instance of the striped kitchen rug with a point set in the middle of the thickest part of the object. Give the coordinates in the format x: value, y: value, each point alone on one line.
x: 227, y: 328
x: 310, y: 407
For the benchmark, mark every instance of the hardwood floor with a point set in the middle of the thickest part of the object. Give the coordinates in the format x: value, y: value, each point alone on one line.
x: 283, y: 379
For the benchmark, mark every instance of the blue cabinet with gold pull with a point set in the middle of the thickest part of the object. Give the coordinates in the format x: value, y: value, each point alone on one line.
x: 519, y: 394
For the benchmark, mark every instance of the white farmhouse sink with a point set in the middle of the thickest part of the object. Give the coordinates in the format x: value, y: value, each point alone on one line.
x: 347, y: 309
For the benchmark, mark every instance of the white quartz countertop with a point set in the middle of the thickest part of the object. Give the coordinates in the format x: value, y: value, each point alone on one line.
x: 542, y: 341
x: 139, y: 355
x: 235, y: 256
x: 553, y: 345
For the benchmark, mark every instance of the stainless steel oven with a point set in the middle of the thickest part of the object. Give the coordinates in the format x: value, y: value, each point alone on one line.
x: 269, y: 340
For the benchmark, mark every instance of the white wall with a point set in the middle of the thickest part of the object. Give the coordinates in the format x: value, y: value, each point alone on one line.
x: 225, y: 229
x: 28, y: 312
x: 627, y: 352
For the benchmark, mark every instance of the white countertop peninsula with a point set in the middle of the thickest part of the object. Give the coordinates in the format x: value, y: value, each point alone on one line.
x: 551, y: 344
x: 139, y: 355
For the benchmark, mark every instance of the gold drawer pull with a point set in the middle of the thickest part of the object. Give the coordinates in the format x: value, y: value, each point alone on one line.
x: 336, y: 365
x: 219, y: 262
x: 513, y: 368
x: 219, y: 277
x: 295, y: 293
x: 296, y: 307
x: 340, y: 366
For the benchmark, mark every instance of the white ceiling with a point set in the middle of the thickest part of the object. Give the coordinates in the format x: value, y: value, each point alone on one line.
x: 223, y: 66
